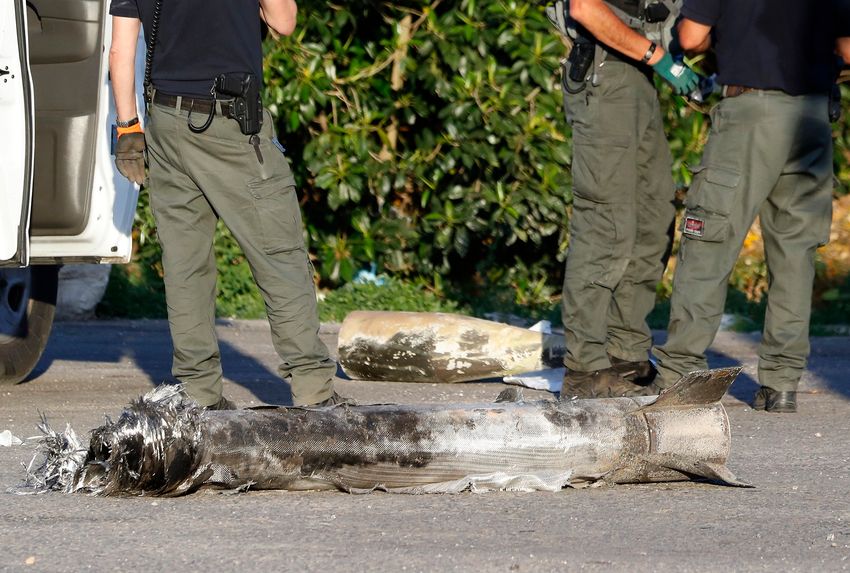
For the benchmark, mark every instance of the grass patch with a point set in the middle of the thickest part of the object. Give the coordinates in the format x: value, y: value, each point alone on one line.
x: 393, y: 294
x: 134, y: 291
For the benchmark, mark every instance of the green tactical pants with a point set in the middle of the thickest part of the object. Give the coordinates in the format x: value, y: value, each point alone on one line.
x: 194, y: 180
x: 622, y: 219
x: 768, y: 154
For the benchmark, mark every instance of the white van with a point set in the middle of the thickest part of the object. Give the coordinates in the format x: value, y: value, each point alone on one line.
x: 61, y: 199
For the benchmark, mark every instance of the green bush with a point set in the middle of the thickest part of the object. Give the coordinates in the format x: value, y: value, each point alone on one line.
x: 428, y: 139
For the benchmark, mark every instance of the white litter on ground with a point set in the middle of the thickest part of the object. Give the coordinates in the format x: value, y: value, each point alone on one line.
x: 8, y: 440
x: 550, y: 379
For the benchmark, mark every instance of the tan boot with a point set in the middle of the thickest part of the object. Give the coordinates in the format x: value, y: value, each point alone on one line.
x: 642, y: 373
x: 606, y: 383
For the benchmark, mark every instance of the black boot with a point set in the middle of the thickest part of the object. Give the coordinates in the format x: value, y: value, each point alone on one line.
x: 772, y: 400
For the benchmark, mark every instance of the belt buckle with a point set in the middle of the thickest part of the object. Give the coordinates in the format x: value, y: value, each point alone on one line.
x: 735, y: 91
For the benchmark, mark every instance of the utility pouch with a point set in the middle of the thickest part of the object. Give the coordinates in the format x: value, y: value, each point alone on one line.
x: 580, y: 59
x: 656, y: 12
x: 247, y: 107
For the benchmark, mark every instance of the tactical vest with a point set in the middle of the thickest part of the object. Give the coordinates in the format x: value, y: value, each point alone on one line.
x: 654, y: 19
x: 644, y: 16
x: 631, y: 7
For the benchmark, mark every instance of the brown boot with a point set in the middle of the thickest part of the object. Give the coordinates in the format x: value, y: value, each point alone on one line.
x: 642, y: 373
x: 605, y: 383
x: 223, y: 404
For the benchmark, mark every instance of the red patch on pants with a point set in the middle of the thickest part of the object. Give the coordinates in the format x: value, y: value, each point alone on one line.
x: 694, y: 226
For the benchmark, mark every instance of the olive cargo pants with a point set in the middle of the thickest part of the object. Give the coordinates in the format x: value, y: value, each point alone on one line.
x: 194, y: 180
x: 622, y: 219
x: 768, y: 154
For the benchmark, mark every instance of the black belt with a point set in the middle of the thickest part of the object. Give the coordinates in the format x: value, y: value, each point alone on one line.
x: 192, y: 104
x: 735, y: 91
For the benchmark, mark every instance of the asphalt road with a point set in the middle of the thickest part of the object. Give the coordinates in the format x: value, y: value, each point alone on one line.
x: 797, y: 518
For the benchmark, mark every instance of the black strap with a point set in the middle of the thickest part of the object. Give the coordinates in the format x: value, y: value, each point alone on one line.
x: 151, y: 48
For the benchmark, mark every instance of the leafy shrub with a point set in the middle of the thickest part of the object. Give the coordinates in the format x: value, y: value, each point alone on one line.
x: 429, y: 139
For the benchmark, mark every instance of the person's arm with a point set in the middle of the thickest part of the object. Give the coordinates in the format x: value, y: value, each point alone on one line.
x: 130, y: 148
x: 606, y: 27
x: 842, y: 48
x: 693, y: 36
x: 279, y: 15
x: 122, y: 65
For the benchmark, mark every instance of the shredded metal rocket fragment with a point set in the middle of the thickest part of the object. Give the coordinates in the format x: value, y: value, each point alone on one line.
x: 164, y: 445
x: 440, y: 347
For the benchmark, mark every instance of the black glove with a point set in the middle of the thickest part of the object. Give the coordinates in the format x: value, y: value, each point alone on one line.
x: 130, y: 156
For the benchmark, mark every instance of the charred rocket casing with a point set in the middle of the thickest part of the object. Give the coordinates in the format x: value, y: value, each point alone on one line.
x: 440, y: 347
x: 163, y: 445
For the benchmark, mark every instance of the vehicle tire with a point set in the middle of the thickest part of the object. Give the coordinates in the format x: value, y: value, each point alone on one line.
x: 27, y: 306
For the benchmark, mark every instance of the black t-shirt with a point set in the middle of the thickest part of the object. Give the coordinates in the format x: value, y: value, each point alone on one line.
x: 771, y: 44
x: 198, y: 40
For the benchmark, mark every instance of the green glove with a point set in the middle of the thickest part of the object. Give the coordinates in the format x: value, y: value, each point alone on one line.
x: 677, y: 74
x: 130, y: 156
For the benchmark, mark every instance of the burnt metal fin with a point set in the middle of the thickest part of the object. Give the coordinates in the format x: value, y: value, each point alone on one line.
x: 698, y: 387
x: 711, y: 471
x: 722, y: 474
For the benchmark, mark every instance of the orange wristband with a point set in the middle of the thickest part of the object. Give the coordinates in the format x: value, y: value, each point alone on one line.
x: 132, y: 129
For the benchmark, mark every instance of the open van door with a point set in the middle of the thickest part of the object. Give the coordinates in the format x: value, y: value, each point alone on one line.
x: 82, y: 208
x: 16, y: 143
x: 61, y: 198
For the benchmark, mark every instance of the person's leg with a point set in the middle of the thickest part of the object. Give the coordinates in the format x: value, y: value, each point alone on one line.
x: 741, y: 163
x: 605, y: 126
x: 258, y: 203
x: 608, y: 122
x: 795, y: 220
x: 185, y: 227
x: 629, y: 336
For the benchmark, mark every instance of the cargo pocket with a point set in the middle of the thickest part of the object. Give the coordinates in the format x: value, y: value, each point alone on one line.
x: 596, y: 162
x: 278, y: 214
x: 709, y: 203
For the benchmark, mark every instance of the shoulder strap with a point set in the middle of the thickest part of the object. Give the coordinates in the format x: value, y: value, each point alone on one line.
x: 157, y: 11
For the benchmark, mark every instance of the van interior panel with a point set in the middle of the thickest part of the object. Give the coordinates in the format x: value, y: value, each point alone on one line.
x: 65, y: 57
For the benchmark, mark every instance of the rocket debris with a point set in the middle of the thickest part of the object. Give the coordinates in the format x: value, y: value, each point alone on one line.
x: 438, y: 347
x: 165, y: 445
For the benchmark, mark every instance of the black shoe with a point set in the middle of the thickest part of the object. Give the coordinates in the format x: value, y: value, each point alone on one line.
x: 223, y: 404
x: 606, y: 383
x: 642, y: 373
x: 334, y: 400
x: 772, y: 400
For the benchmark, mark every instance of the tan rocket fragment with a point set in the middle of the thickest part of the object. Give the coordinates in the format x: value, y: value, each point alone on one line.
x: 440, y: 347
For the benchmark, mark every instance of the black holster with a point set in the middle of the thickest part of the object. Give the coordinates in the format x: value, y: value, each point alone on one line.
x: 247, y: 108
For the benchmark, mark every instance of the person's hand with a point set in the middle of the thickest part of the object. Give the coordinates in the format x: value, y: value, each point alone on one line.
x: 130, y: 155
x: 677, y: 74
